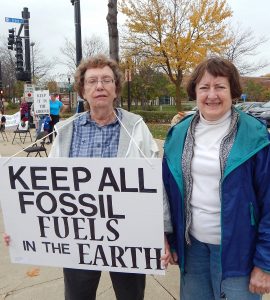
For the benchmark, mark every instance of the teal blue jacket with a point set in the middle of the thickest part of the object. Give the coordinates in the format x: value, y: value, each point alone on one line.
x: 245, y: 196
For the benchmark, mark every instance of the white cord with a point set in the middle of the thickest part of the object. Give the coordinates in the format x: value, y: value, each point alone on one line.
x: 133, y: 141
x: 71, y: 120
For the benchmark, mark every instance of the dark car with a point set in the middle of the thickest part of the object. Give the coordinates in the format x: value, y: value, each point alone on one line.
x: 262, y: 112
x: 247, y: 106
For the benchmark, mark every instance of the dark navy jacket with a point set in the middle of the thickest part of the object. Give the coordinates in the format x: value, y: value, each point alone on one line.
x: 245, y: 197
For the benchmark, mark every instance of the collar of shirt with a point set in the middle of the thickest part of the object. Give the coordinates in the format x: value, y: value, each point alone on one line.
x: 86, y: 118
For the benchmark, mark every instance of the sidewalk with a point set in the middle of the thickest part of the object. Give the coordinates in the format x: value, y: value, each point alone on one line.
x: 24, y: 282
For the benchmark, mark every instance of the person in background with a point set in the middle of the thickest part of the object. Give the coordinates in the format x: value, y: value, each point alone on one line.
x: 46, y: 125
x: 216, y: 172
x: 2, y: 107
x: 2, y: 122
x: 56, y: 107
x: 24, y: 124
x: 24, y: 111
x: 80, y: 105
x: 37, y: 119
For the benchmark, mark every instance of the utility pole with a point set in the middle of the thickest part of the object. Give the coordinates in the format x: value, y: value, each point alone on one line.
x: 69, y: 93
x: 78, y: 37
x: 1, y: 91
x: 23, y: 68
x: 26, y: 17
x: 33, y: 62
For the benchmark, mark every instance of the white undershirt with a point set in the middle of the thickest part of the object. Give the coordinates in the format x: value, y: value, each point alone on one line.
x: 205, y: 169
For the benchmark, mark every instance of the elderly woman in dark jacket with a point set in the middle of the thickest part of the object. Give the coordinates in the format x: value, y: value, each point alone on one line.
x: 217, y: 174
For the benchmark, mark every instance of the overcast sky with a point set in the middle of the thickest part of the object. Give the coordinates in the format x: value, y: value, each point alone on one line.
x: 53, y: 20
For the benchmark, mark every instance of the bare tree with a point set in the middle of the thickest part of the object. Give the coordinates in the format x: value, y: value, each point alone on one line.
x: 93, y: 46
x: 243, y: 48
x: 8, y: 66
x: 90, y: 47
x: 41, y: 65
x: 7, y: 58
x: 69, y: 53
x: 112, y: 29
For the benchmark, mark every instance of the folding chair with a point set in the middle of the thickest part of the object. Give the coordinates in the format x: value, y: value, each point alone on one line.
x: 38, y: 146
x: 22, y: 133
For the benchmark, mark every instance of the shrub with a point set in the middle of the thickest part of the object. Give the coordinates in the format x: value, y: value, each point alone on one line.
x: 155, y: 116
x: 66, y: 115
x: 12, y: 106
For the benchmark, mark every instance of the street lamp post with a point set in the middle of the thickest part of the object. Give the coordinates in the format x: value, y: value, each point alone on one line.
x: 69, y: 93
x: 77, y: 21
x: 33, y: 62
x: 128, y: 80
x: 78, y: 37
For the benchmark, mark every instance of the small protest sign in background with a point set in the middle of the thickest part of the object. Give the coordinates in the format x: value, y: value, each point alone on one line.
x: 42, y: 102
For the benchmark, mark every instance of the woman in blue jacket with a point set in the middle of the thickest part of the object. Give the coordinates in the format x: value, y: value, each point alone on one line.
x: 217, y: 176
x: 56, y: 106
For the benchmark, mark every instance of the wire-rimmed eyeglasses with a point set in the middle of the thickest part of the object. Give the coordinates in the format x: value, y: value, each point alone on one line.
x: 93, y: 82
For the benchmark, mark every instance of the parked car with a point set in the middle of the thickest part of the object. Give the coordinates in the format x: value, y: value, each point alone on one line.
x: 191, y: 112
x: 262, y: 112
x: 179, y: 116
x: 247, y: 106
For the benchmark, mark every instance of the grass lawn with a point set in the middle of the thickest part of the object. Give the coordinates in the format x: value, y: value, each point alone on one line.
x: 159, y: 131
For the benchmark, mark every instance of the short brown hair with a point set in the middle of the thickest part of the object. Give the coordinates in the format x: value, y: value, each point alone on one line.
x: 216, y: 66
x: 98, y: 61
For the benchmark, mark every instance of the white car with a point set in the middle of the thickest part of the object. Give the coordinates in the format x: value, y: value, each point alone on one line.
x: 191, y: 112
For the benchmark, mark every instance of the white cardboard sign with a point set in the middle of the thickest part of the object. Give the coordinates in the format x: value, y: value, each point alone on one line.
x: 29, y: 92
x: 85, y: 213
x: 42, y: 102
x: 13, y: 120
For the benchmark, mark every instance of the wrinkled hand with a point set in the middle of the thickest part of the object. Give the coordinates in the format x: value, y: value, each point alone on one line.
x: 168, y: 257
x: 174, y: 260
x: 259, y: 281
x: 165, y: 259
x: 6, y: 239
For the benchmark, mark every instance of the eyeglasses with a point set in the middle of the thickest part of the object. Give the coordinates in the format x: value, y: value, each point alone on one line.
x: 93, y: 82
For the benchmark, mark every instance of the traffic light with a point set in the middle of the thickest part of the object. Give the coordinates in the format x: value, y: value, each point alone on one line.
x: 19, y: 54
x: 23, y: 76
x: 11, y: 38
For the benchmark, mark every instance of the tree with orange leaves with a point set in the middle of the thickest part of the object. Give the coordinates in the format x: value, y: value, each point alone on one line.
x: 175, y: 35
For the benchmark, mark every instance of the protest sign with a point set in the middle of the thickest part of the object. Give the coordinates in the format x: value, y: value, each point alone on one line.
x: 42, y: 102
x: 12, y: 120
x: 86, y: 213
x: 29, y: 90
